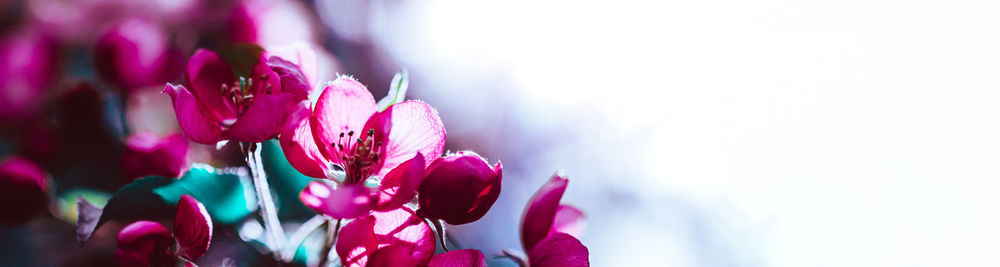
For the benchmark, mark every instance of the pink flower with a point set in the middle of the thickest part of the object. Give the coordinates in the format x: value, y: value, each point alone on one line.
x: 347, y: 139
x: 217, y: 105
x: 26, y: 72
x: 459, y: 188
x: 24, y: 190
x: 135, y: 53
x: 548, y: 229
x: 397, y: 238
x: 390, y: 238
x: 148, y: 243
x: 147, y: 154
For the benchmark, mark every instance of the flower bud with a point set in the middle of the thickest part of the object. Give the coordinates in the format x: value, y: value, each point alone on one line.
x: 137, y: 53
x: 459, y: 188
x: 147, y: 154
x: 23, y: 190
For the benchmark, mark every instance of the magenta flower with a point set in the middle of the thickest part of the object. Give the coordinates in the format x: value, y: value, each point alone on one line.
x: 26, y: 71
x: 147, y: 154
x: 24, y: 190
x: 217, y: 105
x: 148, y: 243
x: 390, y: 238
x: 135, y: 53
x: 459, y: 188
x: 548, y: 229
x: 346, y: 139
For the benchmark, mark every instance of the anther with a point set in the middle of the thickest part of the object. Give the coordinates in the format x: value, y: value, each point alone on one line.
x: 371, y: 132
x: 341, y: 134
x: 351, y: 133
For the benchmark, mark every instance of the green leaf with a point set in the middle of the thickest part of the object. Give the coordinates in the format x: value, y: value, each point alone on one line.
x: 397, y: 91
x: 228, y: 197
x: 241, y: 57
x: 286, y: 182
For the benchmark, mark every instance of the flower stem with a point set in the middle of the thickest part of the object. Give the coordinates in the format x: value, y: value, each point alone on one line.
x: 267, y: 209
x: 301, y: 234
x: 331, y: 240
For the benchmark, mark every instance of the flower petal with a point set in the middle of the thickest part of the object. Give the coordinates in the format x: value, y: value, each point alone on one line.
x: 24, y: 190
x: 300, y: 149
x: 291, y: 78
x: 559, y: 250
x: 408, y: 128
x: 356, y: 241
x: 266, y: 117
x: 400, y: 185
x: 402, y: 229
x: 541, y: 211
x: 302, y: 55
x: 196, y: 121
x: 568, y: 220
x: 192, y: 227
x: 346, y: 202
x: 343, y: 106
x: 143, y: 243
x: 206, y: 73
x: 459, y: 188
x: 459, y: 258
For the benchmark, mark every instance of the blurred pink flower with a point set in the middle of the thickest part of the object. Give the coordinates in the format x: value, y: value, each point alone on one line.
x: 459, y: 188
x: 26, y: 71
x: 147, y: 154
x: 148, y: 243
x: 217, y: 105
x: 135, y: 53
x: 24, y: 190
x: 390, y: 238
x: 548, y: 229
x: 346, y: 133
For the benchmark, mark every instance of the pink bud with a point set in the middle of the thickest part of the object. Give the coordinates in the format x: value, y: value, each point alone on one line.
x: 459, y: 188
x: 136, y: 53
x: 23, y: 190
x: 147, y: 154
x: 144, y: 243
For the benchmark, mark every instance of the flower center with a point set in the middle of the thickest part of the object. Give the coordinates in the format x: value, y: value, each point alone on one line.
x: 358, y: 156
x: 241, y: 92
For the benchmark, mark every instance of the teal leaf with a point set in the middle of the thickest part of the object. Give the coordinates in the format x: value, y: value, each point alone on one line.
x: 228, y: 197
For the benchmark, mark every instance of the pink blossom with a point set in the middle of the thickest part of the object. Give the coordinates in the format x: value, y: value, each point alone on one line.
x: 217, y: 105
x: 135, y: 53
x: 148, y: 243
x: 147, y: 154
x: 459, y: 188
x: 547, y: 228
x: 346, y: 138
x: 390, y: 238
x: 26, y: 71
x: 24, y: 190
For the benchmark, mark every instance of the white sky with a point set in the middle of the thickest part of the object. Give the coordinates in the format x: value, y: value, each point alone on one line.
x: 733, y: 133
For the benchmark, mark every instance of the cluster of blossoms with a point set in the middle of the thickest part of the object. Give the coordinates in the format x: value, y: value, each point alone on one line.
x: 382, y: 181
x: 381, y: 169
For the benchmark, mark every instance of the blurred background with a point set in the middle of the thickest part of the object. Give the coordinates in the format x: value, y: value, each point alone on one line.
x: 694, y: 133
